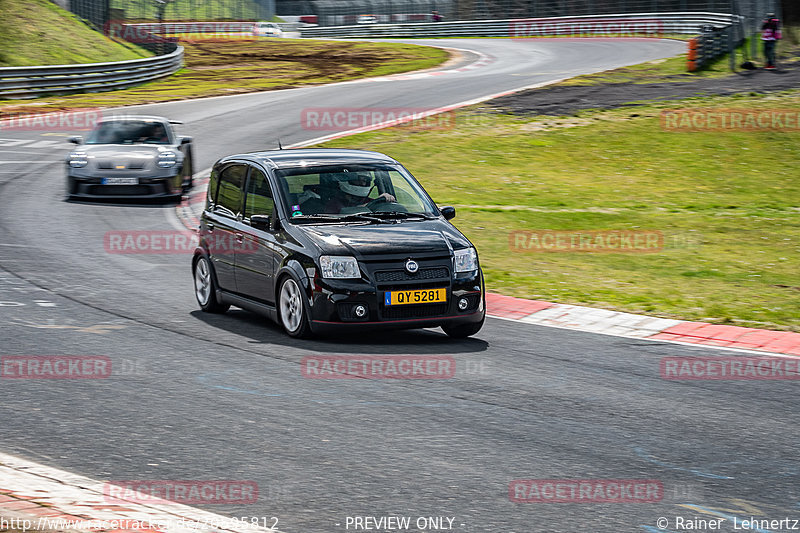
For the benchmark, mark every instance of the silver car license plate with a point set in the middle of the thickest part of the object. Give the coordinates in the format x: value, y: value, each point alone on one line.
x: 120, y: 181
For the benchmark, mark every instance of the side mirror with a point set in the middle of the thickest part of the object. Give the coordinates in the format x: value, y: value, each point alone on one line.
x: 77, y: 139
x: 448, y: 212
x: 260, y: 221
x: 186, y: 139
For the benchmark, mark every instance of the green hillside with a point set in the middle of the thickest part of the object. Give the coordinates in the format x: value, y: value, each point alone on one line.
x: 147, y: 10
x: 38, y: 32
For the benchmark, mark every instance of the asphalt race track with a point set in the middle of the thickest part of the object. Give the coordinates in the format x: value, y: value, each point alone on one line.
x: 222, y: 397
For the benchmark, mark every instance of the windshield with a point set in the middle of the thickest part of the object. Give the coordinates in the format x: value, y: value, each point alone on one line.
x: 341, y: 191
x: 130, y: 132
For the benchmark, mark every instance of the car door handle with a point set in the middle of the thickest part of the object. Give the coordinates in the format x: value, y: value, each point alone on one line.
x: 239, y: 237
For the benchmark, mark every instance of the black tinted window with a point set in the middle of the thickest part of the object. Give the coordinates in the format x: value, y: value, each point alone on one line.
x: 352, y: 188
x: 229, y: 196
x: 211, y: 194
x: 130, y: 132
x: 259, y: 195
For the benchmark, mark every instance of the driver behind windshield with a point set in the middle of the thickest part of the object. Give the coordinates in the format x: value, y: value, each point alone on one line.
x: 354, y: 191
x: 156, y: 134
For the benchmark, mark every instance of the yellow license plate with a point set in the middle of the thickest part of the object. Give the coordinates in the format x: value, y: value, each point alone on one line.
x: 421, y: 296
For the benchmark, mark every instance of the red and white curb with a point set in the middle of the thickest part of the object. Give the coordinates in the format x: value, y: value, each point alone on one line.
x: 34, y: 497
x: 641, y: 326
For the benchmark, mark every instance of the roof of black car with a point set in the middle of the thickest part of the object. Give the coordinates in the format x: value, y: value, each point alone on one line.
x: 318, y: 156
x: 148, y: 118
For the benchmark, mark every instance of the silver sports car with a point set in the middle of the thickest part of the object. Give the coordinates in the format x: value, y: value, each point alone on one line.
x: 130, y: 157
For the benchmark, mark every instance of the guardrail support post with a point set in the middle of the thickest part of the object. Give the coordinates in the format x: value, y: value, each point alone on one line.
x: 731, y: 49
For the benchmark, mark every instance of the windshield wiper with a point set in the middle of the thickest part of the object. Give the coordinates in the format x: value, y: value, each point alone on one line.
x: 323, y: 216
x: 327, y: 217
x: 359, y: 216
x: 401, y: 214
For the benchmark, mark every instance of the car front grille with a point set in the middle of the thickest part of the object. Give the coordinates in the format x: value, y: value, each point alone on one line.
x: 401, y: 312
x: 120, y: 190
x: 388, y: 276
x: 132, y: 164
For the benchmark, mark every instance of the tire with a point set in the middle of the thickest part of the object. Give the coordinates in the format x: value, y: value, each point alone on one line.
x: 72, y: 188
x: 189, y: 162
x: 205, y: 288
x: 186, y: 185
x: 463, y: 331
x: 291, y: 310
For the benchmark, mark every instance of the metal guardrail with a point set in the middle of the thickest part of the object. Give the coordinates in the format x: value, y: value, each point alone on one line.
x: 668, y: 23
x: 30, y: 82
x: 709, y: 45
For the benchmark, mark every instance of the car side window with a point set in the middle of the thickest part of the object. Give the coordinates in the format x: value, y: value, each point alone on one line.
x: 229, y: 195
x: 259, y: 199
x: 211, y: 194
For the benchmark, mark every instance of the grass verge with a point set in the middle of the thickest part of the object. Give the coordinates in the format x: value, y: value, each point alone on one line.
x: 190, y: 11
x: 240, y: 66
x: 727, y: 204
x: 37, y: 32
x: 673, y: 69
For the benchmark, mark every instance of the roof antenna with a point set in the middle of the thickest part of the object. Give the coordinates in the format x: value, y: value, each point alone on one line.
x: 279, y: 145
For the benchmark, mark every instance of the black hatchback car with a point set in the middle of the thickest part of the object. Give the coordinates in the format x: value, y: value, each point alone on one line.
x: 320, y: 239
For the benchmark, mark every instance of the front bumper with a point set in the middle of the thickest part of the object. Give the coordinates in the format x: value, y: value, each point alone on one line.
x: 333, y: 302
x: 147, y: 187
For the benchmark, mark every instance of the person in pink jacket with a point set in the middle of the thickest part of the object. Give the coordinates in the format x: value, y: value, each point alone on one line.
x: 770, y: 34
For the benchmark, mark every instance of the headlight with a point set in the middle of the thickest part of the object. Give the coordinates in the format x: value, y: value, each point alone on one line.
x: 465, y: 260
x: 167, y: 159
x: 339, y: 267
x: 78, y: 159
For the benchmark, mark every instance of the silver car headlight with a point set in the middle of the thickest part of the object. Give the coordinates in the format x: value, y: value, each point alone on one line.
x: 78, y: 159
x: 465, y: 260
x: 339, y: 267
x: 167, y: 159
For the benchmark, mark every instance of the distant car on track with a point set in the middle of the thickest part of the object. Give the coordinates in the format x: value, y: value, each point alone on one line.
x: 267, y: 29
x: 367, y: 19
x: 130, y: 156
x: 321, y: 239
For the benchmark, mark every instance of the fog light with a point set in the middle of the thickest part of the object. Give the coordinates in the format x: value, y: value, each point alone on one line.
x: 360, y: 311
x: 463, y: 304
